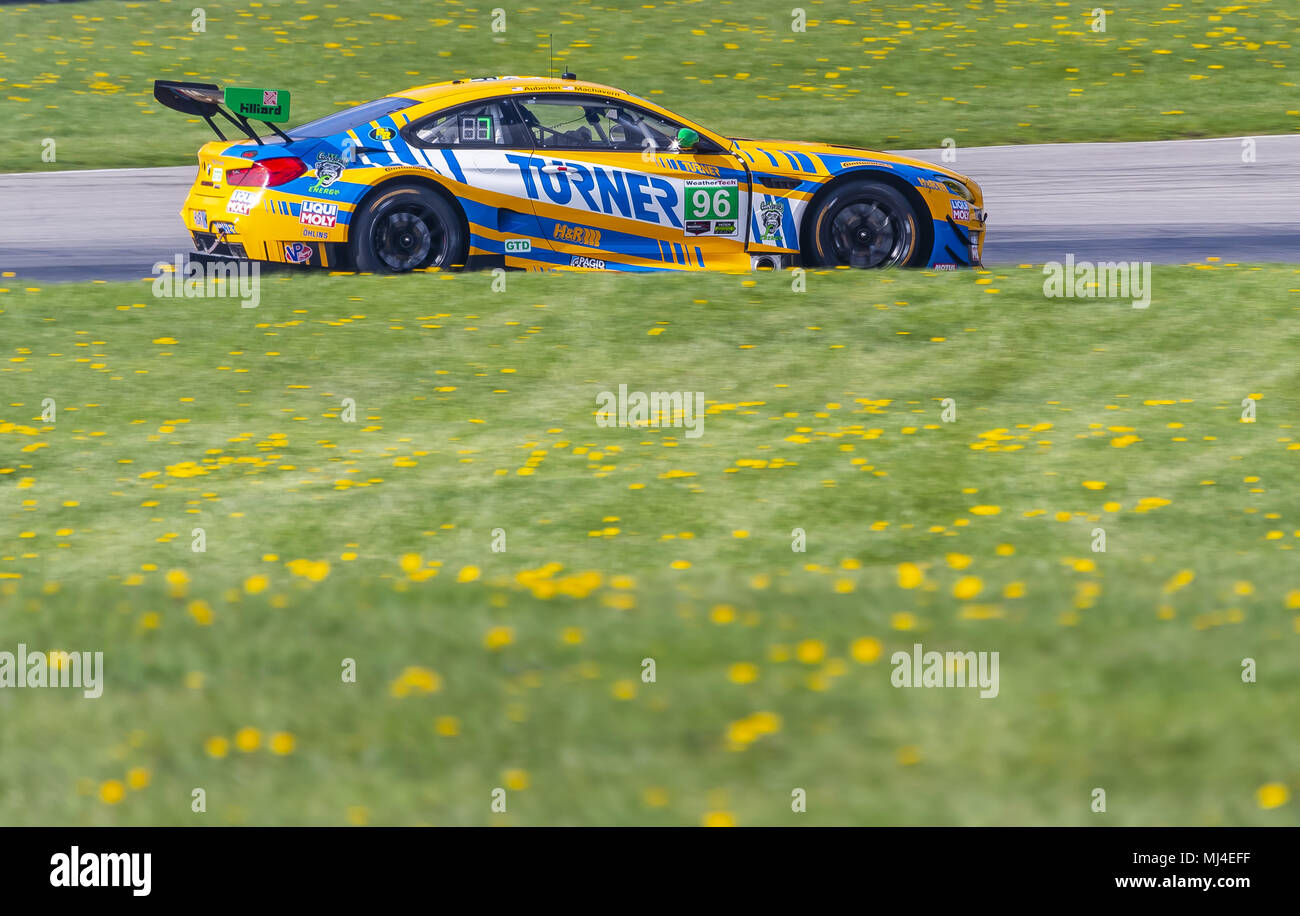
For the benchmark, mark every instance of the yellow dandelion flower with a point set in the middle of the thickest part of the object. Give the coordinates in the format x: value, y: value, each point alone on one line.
x: 1183, y: 578
x: 201, y: 611
x: 415, y: 679
x: 722, y: 613
x: 810, y: 651
x: 743, y: 673
x: 1272, y: 795
x: 866, y: 650
x: 967, y: 587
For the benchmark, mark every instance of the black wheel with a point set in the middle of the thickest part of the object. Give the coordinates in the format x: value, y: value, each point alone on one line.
x: 867, y: 224
x: 406, y: 227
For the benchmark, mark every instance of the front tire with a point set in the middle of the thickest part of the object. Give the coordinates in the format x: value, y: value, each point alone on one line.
x: 407, y: 227
x: 867, y: 224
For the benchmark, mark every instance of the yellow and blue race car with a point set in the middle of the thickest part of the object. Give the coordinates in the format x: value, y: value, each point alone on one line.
x: 553, y: 174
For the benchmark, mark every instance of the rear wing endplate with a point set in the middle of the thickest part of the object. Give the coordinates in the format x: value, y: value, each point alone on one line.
x: 205, y: 100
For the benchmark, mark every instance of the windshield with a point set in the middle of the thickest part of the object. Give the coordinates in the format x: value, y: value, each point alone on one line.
x: 350, y: 117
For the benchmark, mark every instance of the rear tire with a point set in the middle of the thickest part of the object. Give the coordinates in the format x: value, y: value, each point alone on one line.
x: 406, y: 227
x: 867, y: 224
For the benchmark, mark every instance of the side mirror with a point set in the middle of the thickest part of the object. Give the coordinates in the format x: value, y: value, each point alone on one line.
x: 687, y: 139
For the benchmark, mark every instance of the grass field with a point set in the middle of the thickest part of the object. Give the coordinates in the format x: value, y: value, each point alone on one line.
x: 884, y: 73
x: 372, y: 541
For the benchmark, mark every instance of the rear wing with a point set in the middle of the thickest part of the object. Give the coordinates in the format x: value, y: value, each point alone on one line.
x: 205, y: 100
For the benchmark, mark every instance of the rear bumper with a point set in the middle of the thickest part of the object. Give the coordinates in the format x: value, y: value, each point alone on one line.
x: 210, y: 246
x: 260, y: 225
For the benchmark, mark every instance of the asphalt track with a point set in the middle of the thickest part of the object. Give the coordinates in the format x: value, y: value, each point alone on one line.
x: 1170, y: 202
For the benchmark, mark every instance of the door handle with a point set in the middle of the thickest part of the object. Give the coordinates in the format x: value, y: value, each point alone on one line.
x: 554, y: 169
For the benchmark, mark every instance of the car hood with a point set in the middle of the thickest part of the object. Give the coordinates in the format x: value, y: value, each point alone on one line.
x: 794, y: 157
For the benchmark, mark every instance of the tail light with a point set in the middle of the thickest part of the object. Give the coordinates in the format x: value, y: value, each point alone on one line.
x: 268, y: 173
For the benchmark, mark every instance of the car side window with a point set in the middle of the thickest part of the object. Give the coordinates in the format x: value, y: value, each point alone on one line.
x: 483, y: 125
x: 586, y: 122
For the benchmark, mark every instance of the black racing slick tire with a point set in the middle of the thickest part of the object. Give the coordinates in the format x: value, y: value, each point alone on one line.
x: 868, y: 224
x: 406, y: 227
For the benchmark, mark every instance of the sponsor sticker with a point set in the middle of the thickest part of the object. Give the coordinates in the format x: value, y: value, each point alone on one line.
x: 297, y: 252
x: 590, y: 263
x: 944, y: 267
x: 711, y: 200
x: 583, y: 235
x: 318, y: 213
x: 698, y: 226
x: 724, y: 227
x: 598, y: 189
x: 223, y: 228
x: 259, y: 104
x: 687, y: 165
x: 329, y: 167
x: 518, y: 246
x: 771, y: 214
x: 960, y: 210
x: 200, y: 218
x: 383, y: 134
x: 241, y: 202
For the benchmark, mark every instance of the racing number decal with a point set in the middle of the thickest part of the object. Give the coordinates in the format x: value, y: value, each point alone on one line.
x: 477, y: 129
x: 712, y: 207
